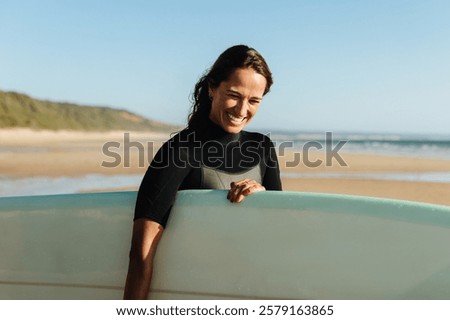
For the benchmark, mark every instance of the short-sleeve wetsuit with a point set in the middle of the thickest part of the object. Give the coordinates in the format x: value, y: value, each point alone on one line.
x: 205, y: 158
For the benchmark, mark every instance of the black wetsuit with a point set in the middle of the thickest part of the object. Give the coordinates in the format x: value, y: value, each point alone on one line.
x: 207, y: 158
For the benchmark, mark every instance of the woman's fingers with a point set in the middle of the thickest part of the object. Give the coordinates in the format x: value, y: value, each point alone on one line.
x: 240, y: 189
x: 235, y: 188
x: 252, y: 188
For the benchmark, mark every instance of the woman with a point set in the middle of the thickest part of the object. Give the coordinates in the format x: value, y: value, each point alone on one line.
x: 213, y: 152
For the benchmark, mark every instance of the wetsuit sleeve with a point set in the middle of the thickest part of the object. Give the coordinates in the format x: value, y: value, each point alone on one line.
x: 161, y: 182
x: 271, y: 179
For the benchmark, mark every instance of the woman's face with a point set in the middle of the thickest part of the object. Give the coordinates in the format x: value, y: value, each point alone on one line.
x: 236, y: 100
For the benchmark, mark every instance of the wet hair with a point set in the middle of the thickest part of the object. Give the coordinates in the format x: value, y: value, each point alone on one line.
x: 239, y: 56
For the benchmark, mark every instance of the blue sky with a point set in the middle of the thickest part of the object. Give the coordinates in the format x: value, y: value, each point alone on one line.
x: 338, y: 65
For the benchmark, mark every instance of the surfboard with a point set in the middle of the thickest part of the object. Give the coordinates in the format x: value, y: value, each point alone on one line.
x: 274, y: 245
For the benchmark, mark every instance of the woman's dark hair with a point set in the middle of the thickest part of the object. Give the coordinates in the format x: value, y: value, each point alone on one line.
x: 240, y: 56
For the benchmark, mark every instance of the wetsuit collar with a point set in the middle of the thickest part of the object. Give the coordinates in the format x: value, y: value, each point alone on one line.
x: 211, y: 131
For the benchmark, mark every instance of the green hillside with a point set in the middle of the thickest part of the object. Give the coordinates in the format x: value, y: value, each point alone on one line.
x: 19, y: 110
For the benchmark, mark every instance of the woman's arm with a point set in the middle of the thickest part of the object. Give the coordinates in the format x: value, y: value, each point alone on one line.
x: 271, y: 179
x: 146, y: 235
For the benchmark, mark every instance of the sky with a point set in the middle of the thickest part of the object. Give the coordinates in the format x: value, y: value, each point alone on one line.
x: 338, y: 65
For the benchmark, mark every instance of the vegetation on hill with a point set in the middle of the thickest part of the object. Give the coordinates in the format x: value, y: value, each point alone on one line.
x: 20, y: 110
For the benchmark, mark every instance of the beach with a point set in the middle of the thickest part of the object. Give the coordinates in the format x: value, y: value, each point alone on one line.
x: 42, y: 157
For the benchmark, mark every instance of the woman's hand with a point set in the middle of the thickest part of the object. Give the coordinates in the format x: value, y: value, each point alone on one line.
x: 243, y: 188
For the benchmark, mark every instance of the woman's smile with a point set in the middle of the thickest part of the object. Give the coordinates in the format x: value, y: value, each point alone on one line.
x: 235, y: 119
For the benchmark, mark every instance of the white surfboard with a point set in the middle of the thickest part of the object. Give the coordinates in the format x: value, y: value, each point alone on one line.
x: 274, y: 245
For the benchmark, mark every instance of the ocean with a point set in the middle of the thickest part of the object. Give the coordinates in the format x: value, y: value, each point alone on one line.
x: 10, y: 186
x: 422, y: 146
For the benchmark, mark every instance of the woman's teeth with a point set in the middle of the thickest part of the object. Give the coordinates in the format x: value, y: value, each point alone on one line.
x: 233, y: 118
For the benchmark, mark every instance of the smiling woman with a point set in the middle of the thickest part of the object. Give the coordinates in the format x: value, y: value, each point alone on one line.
x: 213, y: 152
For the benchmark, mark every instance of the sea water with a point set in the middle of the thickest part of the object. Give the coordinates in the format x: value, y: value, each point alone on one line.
x: 421, y: 146
x: 64, y: 185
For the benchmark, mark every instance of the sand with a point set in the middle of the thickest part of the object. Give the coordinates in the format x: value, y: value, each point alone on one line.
x: 27, y: 153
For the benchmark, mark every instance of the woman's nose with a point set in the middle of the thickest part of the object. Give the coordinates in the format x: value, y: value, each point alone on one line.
x: 241, y: 107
